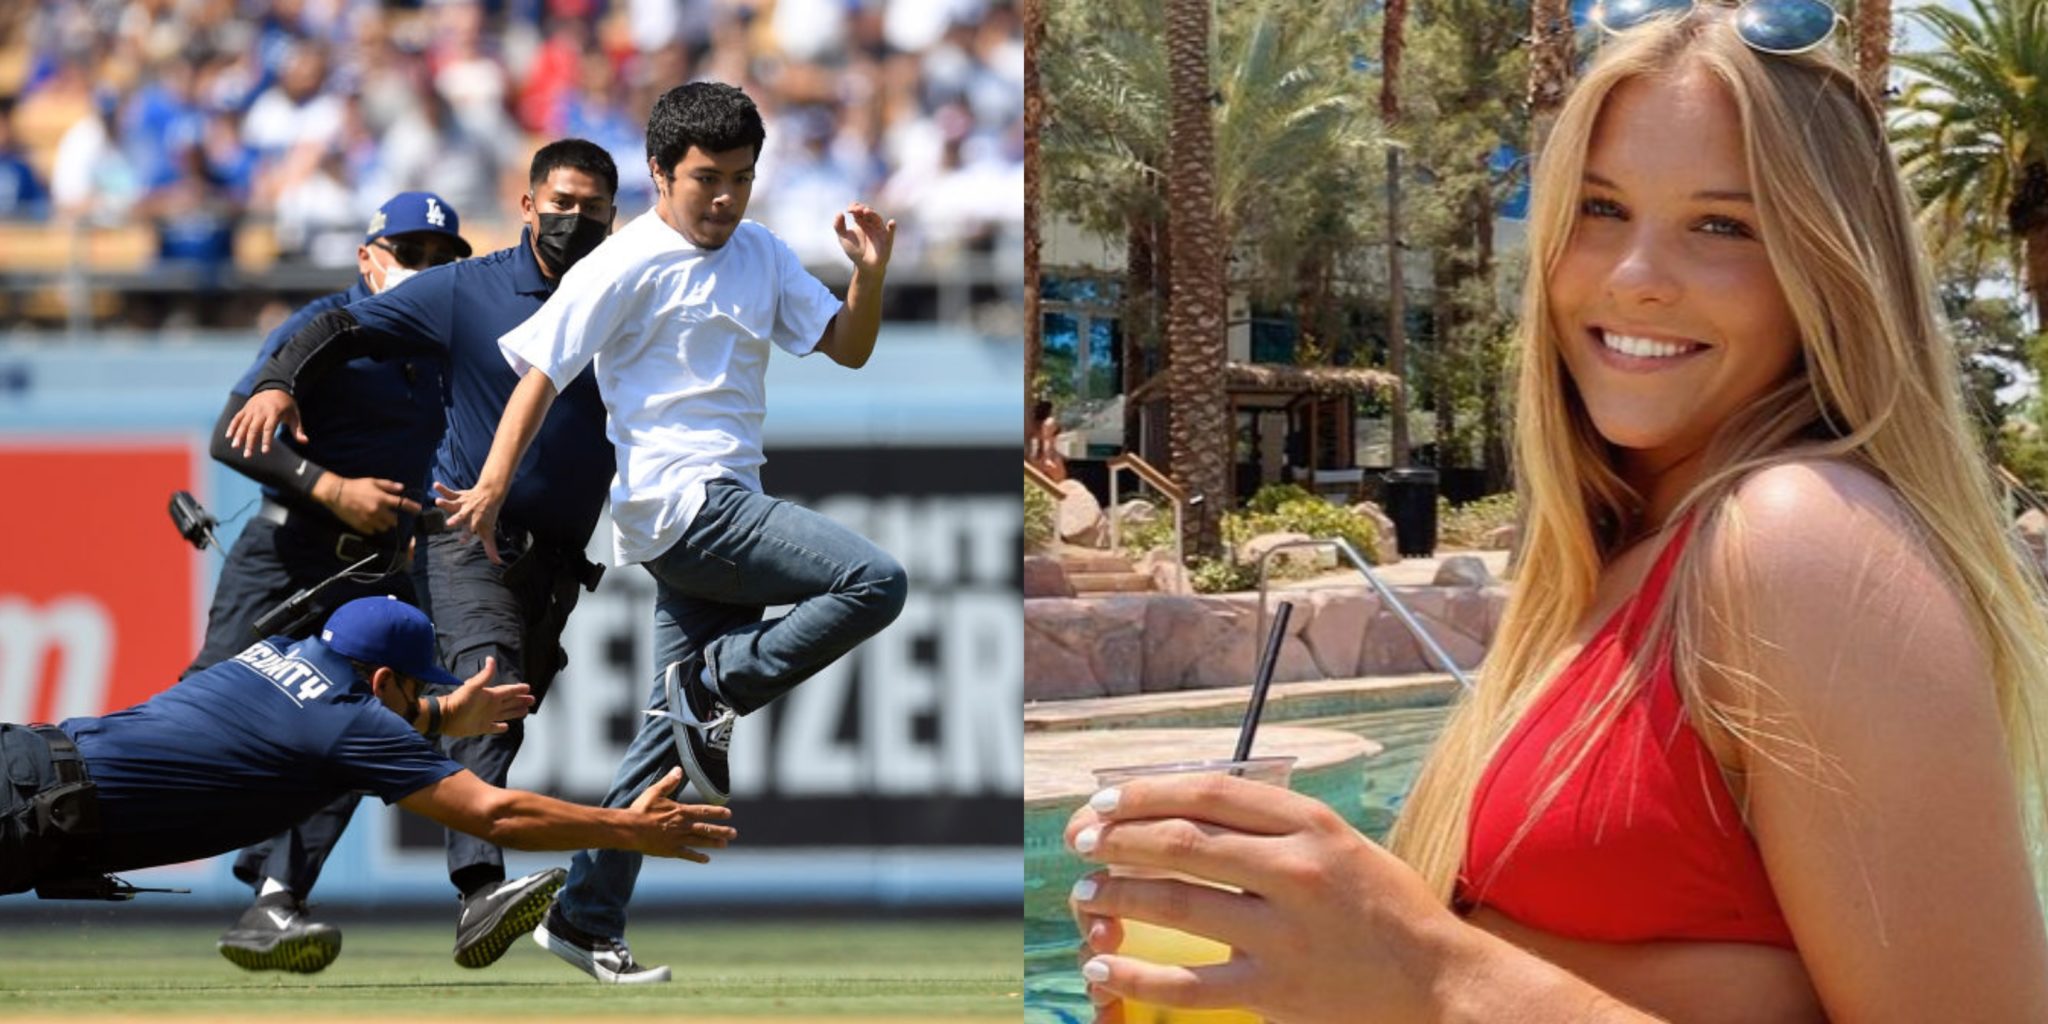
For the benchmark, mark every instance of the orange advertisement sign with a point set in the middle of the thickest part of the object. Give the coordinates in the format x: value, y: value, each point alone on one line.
x: 98, y: 601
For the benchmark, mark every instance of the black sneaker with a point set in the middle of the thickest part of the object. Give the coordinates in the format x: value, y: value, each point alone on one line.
x: 493, y: 917
x: 703, y: 730
x: 607, y: 960
x: 274, y: 935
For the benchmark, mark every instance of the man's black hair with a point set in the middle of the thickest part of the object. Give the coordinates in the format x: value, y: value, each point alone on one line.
x: 577, y: 155
x: 711, y: 116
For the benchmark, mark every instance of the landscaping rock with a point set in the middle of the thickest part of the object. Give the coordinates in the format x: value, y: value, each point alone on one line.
x: 1079, y: 519
x: 1044, y: 576
x: 1337, y: 630
x: 1501, y: 538
x: 1386, y: 550
x: 1462, y: 571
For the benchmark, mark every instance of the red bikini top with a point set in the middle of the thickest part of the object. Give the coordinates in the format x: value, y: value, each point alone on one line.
x: 1643, y: 841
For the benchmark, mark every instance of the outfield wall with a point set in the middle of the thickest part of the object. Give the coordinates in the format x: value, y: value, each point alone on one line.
x: 893, y: 778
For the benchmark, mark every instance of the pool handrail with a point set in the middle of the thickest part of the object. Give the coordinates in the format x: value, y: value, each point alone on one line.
x: 1386, y: 593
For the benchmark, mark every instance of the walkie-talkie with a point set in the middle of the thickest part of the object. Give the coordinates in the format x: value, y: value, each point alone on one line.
x: 194, y: 523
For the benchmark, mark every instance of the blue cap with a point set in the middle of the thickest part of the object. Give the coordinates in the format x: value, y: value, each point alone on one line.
x: 386, y: 631
x: 412, y: 212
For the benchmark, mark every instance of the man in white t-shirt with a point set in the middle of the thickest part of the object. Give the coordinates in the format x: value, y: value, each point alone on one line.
x: 677, y: 312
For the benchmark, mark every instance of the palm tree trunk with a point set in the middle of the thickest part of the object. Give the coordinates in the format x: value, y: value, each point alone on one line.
x: 1550, y: 67
x: 1201, y: 429
x: 1034, y: 116
x: 1873, y: 44
x: 1391, y: 45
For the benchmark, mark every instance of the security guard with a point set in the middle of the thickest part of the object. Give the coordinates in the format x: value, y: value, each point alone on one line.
x: 242, y: 749
x: 332, y: 500
x: 514, y: 612
x: 338, y: 498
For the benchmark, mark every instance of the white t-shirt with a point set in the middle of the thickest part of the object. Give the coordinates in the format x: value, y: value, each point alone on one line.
x: 680, y: 339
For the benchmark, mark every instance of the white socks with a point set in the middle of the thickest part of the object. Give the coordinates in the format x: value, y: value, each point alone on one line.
x: 270, y: 886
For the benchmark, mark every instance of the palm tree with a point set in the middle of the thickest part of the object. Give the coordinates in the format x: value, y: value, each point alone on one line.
x: 1550, y: 66
x: 1391, y: 44
x: 1873, y: 33
x: 1973, y: 138
x: 1200, y: 427
x: 1034, y: 116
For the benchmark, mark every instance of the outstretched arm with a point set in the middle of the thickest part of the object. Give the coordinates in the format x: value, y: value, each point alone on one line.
x: 868, y: 240
x: 476, y: 510
x: 654, y: 824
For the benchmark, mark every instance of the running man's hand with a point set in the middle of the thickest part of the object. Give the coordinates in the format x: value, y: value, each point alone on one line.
x: 474, y: 511
x: 257, y: 423
x: 868, y: 239
x: 478, y: 709
x: 670, y: 829
x: 366, y: 504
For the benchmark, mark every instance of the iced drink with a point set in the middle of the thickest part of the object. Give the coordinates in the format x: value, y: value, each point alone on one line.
x: 1161, y: 945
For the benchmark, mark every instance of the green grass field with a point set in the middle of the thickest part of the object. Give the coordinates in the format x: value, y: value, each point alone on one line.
x: 845, y: 972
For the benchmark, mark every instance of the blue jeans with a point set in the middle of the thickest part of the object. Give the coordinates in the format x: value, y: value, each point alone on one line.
x: 742, y: 553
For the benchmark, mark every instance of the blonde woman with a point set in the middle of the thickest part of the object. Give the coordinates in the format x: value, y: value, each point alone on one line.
x: 1761, y: 734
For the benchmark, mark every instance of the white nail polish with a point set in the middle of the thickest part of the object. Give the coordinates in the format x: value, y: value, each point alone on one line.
x: 1084, y: 890
x: 1096, y: 970
x: 1105, y: 801
x: 1087, y: 840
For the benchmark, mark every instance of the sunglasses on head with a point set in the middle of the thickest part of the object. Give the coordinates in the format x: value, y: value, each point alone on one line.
x: 413, y: 253
x: 1770, y: 26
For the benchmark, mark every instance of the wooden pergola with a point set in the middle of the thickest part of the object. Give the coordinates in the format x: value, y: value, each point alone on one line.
x: 1322, y: 399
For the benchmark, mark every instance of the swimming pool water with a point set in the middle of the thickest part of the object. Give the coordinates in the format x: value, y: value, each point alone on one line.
x: 1053, y: 990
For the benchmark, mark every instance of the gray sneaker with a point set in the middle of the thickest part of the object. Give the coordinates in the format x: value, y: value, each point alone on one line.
x: 274, y: 935
x: 703, y: 730
x: 494, y: 917
x: 607, y: 960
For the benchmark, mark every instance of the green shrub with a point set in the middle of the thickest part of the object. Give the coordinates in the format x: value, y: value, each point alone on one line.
x: 1285, y: 508
x: 1222, y: 576
x: 1272, y: 496
x: 1038, y: 519
x: 1139, y: 538
x: 1466, y: 526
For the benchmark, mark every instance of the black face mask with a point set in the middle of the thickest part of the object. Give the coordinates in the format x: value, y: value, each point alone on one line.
x: 564, y: 238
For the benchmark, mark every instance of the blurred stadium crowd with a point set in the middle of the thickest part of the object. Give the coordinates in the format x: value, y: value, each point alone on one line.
x: 235, y: 149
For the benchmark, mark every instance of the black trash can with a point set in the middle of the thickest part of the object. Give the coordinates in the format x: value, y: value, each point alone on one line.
x: 1411, y: 504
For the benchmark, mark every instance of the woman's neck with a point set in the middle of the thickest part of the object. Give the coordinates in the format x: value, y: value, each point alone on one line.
x: 1660, y: 483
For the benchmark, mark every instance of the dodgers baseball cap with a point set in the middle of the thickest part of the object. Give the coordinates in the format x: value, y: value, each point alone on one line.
x: 413, y: 212
x: 387, y: 631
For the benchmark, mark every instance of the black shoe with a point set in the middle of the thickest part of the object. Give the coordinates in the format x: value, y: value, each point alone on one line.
x: 703, y: 729
x: 607, y: 960
x: 274, y: 935
x: 495, y: 916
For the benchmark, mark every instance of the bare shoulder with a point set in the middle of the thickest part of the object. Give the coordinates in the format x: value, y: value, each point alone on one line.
x: 1828, y: 566
x: 1804, y: 524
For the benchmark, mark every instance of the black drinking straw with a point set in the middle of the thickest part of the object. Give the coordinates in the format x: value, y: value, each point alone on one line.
x: 1262, y: 682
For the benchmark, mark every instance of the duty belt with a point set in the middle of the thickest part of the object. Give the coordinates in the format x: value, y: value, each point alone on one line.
x: 349, y: 547
x: 64, y: 756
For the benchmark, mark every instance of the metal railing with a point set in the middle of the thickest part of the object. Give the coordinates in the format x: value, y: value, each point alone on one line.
x: 1160, y: 482
x: 1036, y: 476
x: 1386, y: 593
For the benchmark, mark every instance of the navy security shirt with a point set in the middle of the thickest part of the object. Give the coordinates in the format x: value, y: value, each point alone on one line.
x: 244, y: 750
x: 558, y: 491
x: 366, y: 417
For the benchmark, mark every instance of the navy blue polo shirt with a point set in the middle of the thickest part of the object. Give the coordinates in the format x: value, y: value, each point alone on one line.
x: 559, y: 489
x: 239, y: 752
x: 367, y: 417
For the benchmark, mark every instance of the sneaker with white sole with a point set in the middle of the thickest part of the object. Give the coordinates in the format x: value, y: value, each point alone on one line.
x: 274, y: 935
x: 494, y: 917
x: 703, y: 730
x: 607, y: 960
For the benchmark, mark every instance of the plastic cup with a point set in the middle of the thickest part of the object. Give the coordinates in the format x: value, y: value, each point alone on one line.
x: 1161, y: 945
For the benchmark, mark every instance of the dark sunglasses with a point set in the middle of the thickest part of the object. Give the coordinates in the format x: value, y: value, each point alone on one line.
x: 1771, y: 26
x: 413, y: 254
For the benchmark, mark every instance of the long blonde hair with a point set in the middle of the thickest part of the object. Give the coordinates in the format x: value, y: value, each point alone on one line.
x: 1876, y: 386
